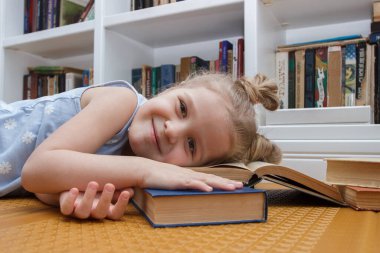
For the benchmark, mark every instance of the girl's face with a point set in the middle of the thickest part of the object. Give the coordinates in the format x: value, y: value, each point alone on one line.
x: 183, y: 126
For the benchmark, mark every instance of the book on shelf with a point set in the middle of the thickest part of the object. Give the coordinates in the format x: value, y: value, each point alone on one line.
x: 254, y: 172
x: 320, y: 77
x: 334, y: 76
x: 90, y: 7
x: 142, y: 4
x: 354, y: 172
x: 224, y: 47
x: 299, y: 78
x: 292, y: 80
x: 282, y: 66
x: 173, y: 208
x: 71, y: 11
x: 340, y: 67
x: 50, y: 80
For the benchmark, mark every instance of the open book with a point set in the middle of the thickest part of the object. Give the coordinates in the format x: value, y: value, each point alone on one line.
x: 254, y: 172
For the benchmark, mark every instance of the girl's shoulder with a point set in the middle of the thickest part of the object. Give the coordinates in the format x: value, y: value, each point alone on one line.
x: 112, y: 90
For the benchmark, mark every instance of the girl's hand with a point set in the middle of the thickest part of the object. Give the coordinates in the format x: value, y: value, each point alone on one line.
x: 91, y: 204
x: 175, y: 177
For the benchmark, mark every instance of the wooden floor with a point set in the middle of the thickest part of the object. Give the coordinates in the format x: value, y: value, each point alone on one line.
x: 296, y: 223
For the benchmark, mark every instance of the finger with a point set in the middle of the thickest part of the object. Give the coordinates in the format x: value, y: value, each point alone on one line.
x: 101, y: 210
x: 117, y: 211
x: 197, y: 185
x: 83, y: 209
x: 67, y: 201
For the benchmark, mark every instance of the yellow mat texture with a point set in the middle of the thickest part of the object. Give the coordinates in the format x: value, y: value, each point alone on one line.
x: 296, y: 223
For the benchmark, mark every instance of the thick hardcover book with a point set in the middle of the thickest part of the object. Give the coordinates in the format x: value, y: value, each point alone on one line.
x: 364, y: 172
x: 173, y: 208
x: 254, y: 172
x: 300, y: 78
x: 198, y: 64
x: 334, y: 77
x: 309, y: 77
x: 321, y: 77
x: 350, y: 78
x: 292, y: 80
x: 282, y: 65
x: 360, y: 67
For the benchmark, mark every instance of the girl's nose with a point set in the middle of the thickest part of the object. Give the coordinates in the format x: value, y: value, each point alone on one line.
x: 172, y: 131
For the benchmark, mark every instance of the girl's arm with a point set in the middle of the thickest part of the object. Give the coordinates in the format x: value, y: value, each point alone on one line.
x: 66, y: 159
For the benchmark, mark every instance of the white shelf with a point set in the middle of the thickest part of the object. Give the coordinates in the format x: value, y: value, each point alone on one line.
x: 180, y: 23
x: 306, y: 13
x: 60, y: 42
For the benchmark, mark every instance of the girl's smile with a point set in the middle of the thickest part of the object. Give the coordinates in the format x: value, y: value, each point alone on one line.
x: 183, y: 126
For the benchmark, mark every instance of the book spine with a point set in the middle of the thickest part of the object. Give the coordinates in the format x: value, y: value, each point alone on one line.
x: 240, y: 62
x: 360, y: 68
x: 282, y: 64
x: 377, y: 86
x: 309, y: 77
x: 334, y: 77
x: 291, y: 80
x: 321, y: 77
x: 350, y: 77
x: 154, y: 81
x: 168, y: 73
x: 136, y: 79
x: 225, y: 46
x: 300, y: 78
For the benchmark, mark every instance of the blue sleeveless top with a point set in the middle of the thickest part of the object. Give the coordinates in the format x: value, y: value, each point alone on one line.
x: 26, y: 124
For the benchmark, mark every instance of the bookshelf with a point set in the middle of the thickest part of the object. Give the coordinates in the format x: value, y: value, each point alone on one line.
x: 118, y: 40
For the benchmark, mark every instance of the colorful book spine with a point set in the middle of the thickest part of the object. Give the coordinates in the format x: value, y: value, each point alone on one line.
x: 309, y: 77
x: 224, y: 46
x: 350, y: 77
x: 321, y: 77
x: 360, y: 67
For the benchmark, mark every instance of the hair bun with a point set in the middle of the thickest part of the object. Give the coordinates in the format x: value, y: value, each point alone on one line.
x: 260, y: 89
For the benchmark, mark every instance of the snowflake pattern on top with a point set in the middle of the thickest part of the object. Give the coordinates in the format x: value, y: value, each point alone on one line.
x: 10, y: 124
x: 28, y: 137
x: 49, y: 109
x: 5, y: 168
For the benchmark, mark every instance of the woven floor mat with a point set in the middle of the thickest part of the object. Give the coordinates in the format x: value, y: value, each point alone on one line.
x: 295, y: 223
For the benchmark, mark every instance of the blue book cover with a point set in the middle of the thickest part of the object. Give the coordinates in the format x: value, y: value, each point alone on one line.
x: 167, y: 76
x: 195, y: 208
x: 224, y: 46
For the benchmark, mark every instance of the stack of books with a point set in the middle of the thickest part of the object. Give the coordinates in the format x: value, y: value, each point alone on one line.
x: 351, y: 182
x: 151, y: 80
x: 45, y: 14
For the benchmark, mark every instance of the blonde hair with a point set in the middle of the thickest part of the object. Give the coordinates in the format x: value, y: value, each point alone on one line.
x: 243, y: 95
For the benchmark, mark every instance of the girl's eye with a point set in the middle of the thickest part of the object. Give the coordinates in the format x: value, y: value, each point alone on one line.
x: 191, y: 144
x: 183, y: 109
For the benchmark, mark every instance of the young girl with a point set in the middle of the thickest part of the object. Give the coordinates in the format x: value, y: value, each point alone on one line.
x: 108, y: 138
